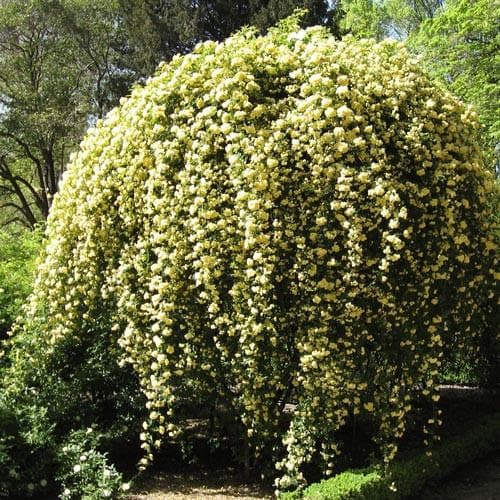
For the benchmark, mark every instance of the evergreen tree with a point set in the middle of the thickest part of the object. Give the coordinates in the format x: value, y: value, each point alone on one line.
x: 158, y: 29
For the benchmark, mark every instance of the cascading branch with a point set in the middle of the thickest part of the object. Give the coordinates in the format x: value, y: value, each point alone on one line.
x: 272, y: 219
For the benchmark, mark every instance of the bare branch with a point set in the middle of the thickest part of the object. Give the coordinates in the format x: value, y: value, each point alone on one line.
x: 25, y: 207
x: 16, y: 219
x: 20, y: 142
x: 6, y: 189
x: 11, y: 204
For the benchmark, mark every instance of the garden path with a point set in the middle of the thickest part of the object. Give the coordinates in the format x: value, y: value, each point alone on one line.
x: 478, y: 481
x: 209, y: 486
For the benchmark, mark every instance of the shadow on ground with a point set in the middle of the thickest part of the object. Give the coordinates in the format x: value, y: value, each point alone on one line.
x: 200, y: 485
x: 476, y: 481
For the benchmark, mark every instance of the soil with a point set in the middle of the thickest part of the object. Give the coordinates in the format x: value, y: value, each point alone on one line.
x: 198, y: 485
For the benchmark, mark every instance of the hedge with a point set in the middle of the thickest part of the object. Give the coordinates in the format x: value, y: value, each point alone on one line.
x: 408, y: 476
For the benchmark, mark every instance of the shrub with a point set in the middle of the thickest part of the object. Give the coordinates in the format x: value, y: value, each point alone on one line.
x: 273, y: 219
x: 50, y: 399
x: 406, y: 477
x: 86, y: 472
x: 27, y: 454
x: 18, y: 253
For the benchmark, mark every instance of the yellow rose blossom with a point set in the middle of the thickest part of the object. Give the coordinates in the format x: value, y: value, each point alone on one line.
x: 257, y: 225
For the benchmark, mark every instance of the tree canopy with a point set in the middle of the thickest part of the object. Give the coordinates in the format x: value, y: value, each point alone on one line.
x: 387, y: 18
x: 460, y: 48
x: 273, y: 219
x: 57, y: 74
x: 65, y: 63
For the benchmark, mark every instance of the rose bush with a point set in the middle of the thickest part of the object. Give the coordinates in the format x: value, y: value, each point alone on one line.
x: 274, y: 219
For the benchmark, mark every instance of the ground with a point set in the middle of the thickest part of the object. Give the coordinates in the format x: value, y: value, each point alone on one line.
x: 478, y: 481
x: 212, y: 486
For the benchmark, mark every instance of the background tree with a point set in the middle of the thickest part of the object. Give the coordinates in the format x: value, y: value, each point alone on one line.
x: 42, y: 114
x: 460, y: 48
x: 158, y: 29
x: 404, y: 17
x: 98, y: 31
x: 387, y: 18
x: 59, y: 70
x: 363, y: 18
x: 268, y: 13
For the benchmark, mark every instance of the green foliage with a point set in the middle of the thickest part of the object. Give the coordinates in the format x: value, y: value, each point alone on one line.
x: 364, y: 18
x: 18, y: 255
x: 460, y: 48
x: 405, y: 17
x: 348, y: 485
x: 37, y: 460
x: 78, y: 383
x: 387, y: 18
x: 27, y: 451
x: 406, y: 477
x: 272, y: 219
x: 50, y: 394
x: 85, y: 472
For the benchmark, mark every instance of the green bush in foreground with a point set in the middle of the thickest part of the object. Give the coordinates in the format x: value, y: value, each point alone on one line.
x: 269, y: 219
x: 86, y: 472
x: 48, y: 401
x: 406, y: 477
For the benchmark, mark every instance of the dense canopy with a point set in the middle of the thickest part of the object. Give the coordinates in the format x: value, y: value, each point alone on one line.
x: 287, y: 218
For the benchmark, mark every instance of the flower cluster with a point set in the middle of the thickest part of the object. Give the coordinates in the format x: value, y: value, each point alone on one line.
x: 275, y: 218
x: 86, y: 472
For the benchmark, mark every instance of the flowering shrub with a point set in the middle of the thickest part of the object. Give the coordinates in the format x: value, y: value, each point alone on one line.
x: 26, y: 452
x: 273, y: 219
x: 86, y: 472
